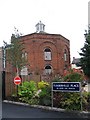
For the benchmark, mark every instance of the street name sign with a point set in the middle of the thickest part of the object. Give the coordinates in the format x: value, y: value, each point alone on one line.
x: 66, y: 86
x: 17, y: 80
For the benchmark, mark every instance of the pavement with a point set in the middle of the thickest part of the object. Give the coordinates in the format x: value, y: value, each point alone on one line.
x: 15, y: 110
x: 43, y: 107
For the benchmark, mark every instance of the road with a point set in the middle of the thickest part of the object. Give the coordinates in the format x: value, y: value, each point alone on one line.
x: 18, y: 111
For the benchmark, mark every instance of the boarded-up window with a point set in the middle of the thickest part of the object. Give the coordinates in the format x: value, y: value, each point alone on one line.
x: 24, y: 55
x: 65, y: 55
x: 47, y: 54
x: 24, y: 71
x: 48, y: 69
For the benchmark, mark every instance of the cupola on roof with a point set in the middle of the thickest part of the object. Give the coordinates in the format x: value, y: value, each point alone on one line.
x: 40, y: 27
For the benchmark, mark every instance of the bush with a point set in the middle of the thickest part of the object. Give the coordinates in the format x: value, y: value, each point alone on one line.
x: 73, y: 77
x: 71, y: 101
x: 57, y: 79
x: 42, y: 84
x: 45, y: 96
x: 29, y: 93
x: 27, y: 90
x: 86, y: 100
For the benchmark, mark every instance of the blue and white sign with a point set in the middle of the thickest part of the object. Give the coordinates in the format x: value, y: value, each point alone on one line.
x: 66, y: 86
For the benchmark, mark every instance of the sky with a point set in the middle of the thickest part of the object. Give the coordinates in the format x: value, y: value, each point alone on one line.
x: 66, y: 17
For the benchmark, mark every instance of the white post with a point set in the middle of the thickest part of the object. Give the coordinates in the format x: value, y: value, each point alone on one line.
x: 52, y: 94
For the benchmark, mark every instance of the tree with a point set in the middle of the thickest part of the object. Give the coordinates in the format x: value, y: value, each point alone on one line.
x: 15, y: 51
x: 85, y: 55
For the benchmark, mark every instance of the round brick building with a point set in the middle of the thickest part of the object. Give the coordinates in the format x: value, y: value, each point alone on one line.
x: 46, y: 53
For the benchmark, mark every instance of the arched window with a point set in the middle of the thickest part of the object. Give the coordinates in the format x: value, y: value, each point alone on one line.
x: 48, y: 69
x: 24, y: 55
x: 65, y: 55
x: 47, y: 54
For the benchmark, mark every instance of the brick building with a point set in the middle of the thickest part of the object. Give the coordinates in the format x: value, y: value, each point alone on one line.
x: 46, y: 53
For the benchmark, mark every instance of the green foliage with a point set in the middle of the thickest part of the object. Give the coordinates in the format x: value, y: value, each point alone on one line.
x: 73, y: 77
x: 85, y: 56
x: 57, y: 79
x: 42, y: 84
x: 27, y: 90
x: 45, y: 96
x: 29, y: 93
x: 14, y: 53
x: 86, y: 100
x: 71, y: 101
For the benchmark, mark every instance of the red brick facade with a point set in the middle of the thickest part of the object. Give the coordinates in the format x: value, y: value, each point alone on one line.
x: 35, y: 45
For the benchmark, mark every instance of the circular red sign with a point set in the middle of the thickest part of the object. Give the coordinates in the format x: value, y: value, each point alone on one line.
x: 17, y: 80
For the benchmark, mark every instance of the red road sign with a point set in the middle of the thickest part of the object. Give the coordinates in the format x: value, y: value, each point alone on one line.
x: 17, y: 80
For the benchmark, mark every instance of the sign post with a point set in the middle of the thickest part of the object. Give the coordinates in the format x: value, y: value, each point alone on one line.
x: 17, y: 81
x: 67, y: 87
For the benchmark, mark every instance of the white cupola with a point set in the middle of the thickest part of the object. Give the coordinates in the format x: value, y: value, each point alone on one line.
x: 40, y: 27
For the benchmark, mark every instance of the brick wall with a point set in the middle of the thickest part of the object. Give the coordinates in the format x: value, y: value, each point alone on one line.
x: 35, y: 45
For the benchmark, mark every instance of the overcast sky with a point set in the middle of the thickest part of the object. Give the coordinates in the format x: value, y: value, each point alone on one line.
x: 66, y: 17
